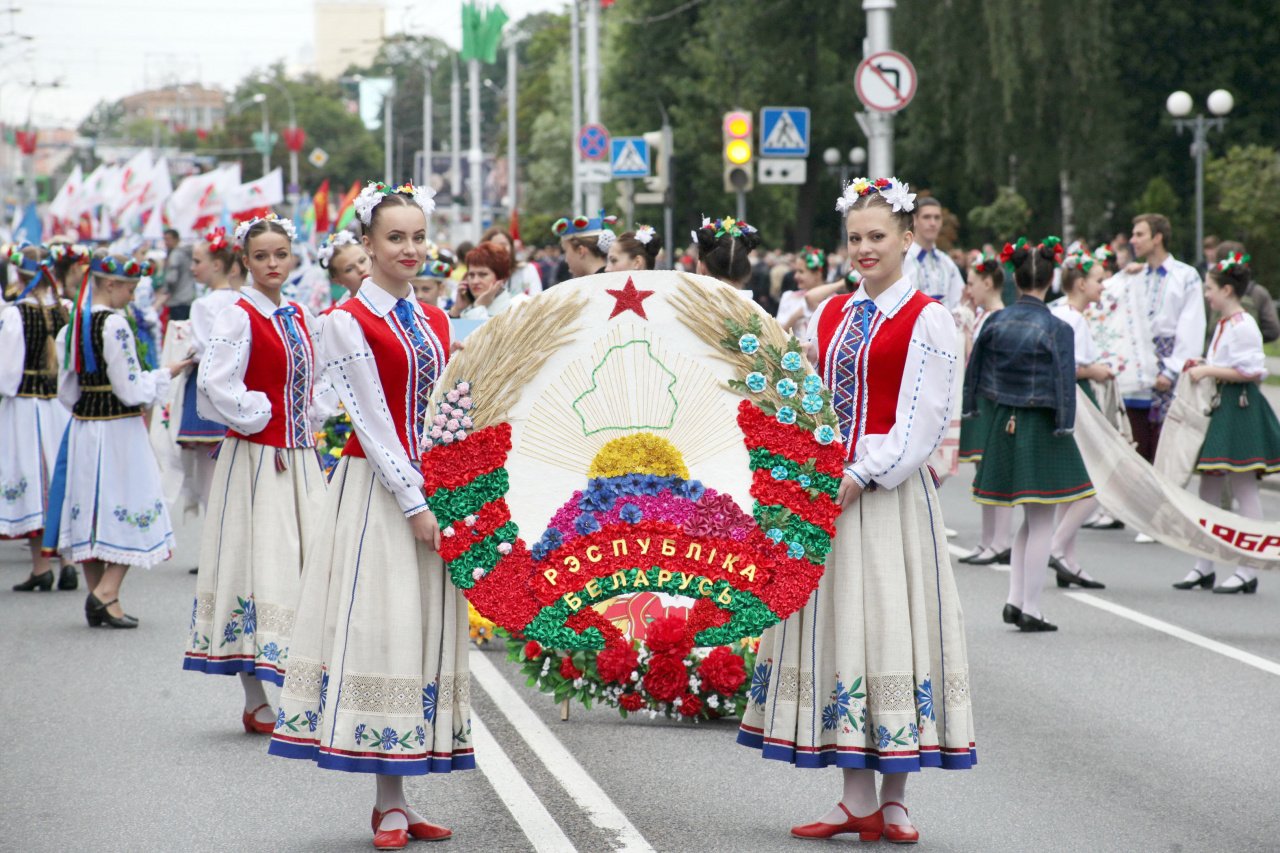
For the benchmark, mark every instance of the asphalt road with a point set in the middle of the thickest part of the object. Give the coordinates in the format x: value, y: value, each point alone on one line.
x: 1119, y: 733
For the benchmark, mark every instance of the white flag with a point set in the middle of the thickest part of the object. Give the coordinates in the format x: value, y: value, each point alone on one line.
x: 64, y: 203
x: 264, y: 192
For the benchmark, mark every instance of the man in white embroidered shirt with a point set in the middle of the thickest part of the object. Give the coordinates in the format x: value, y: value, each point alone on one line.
x: 928, y: 267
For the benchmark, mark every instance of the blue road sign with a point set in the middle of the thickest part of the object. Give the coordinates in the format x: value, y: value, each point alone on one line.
x: 784, y: 132
x: 630, y: 157
x: 593, y: 142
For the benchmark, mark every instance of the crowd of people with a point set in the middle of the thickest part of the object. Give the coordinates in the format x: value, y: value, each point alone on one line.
x: 215, y: 363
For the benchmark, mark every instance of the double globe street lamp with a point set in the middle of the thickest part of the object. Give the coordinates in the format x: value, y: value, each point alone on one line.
x: 1180, y: 105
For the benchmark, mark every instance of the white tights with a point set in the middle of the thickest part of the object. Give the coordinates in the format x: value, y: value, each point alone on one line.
x: 859, y: 796
x: 1031, y: 558
x: 1244, y: 487
x: 997, y: 524
x: 1070, y: 517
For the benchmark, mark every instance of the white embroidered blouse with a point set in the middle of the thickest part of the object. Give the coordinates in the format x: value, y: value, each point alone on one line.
x: 1237, y: 343
x: 133, y: 385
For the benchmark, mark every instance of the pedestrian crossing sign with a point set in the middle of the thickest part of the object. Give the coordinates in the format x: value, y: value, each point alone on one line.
x: 630, y: 157
x: 784, y: 132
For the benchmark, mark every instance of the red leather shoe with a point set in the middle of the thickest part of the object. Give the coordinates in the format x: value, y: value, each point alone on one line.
x: 420, y: 831
x: 391, y: 839
x: 869, y: 828
x: 897, y: 833
x: 251, y: 724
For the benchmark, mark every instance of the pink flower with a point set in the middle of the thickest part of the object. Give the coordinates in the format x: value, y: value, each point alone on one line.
x: 465, y: 402
x: 464, y: 387
x: 447, y: 438
x: 467, y: 423
x: 447, y: 532
x: 436, y: 432
x: 452, y: 425
x: 452, y: 396
x: 460, y: 434
x: 439, y: 420
x: 470, y: 521
x: 504, y: 548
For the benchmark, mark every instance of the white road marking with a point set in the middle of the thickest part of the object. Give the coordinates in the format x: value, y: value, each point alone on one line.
x: 535, y: 821
x: 589, y: 796
x: 1183, y: 634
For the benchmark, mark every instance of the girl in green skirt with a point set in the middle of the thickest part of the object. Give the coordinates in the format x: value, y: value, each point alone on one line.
x: 1243, y: 440
x: 1024, y: 363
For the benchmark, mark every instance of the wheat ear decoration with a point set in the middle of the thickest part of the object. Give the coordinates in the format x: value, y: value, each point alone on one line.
x: 704, y: 309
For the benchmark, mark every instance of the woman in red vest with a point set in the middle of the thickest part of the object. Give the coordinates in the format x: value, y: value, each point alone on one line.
x: 258, y: 376
x: 872, y: 675
x: 378, y: 680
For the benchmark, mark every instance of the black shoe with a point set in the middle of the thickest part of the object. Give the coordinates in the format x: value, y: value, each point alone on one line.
x: 1066, y: 577
x: 1204, y: 581
x: 1005, y: 557
x: 194, y: 571
x: 124, y: 621
x: 1011, y: 614
x: 1114, y: 524
x: 969, y: 558
x: 43, y: 582
x: 1032, y: 625
x: 1249, y: 587
x: 68, y: 580
x: 93, y: 610
x: 988, y: 561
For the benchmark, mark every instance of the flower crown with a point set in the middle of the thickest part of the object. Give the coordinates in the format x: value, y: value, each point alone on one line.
x: 853, y: 277
x: 584, y: 225
x: 984, y: 264
x: 896, y: 193
x: 1054, y: 243
x: 217, y: 239
x: 242, y: 230
x: 437, y: 268
x: 375, y: 191
x: 15, y: 253
x: 330, y: 247
x: 727, y: 226
x: 1081, y: 261
x: 814, y: 259
x: 70, y: 253
x: 1230, y: 262
x: 129, y: 268
x: 644, y: 234
x: 1104, y: 253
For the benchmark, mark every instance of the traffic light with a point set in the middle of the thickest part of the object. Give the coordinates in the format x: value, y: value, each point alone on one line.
x: 739, y: 171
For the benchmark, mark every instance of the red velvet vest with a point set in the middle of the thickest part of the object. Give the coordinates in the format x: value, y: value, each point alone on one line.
x: 865, y: 372
x: 393, y: 357
x: 285, y: 374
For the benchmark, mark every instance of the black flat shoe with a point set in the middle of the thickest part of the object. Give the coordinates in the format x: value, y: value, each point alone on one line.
x: 1114, y: 524
x: 43, y: 582
x: 124, y: 621
x: 1032, y: 625
x: 968, y: 559
x: 1249, y: 587
x: 1066, y: 577
x: 93, y: 610
x: 68, y: 580
x: 1204, y: 582
x: 991, y: 560
x: 1011, y: 614
x: 1005, y: 557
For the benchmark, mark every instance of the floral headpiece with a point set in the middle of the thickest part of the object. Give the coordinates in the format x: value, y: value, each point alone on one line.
x: 129, y: 268
x: 814, y: 259
x: 984, y: 264
x: 16, y: 255
x: 1104, y: 253
x: 1235, y: 259
x: 217, y: 239
x: 375, y: 191
x: 583, y: 226
x: 330, y: 247
x: 644, y: 234
x: 853, y: 277
x: 1080, y: 261
x: 728, y: 225
x: 896, y: 193
x: 287, y: 224
x: 437, y: 268
x: 1054, y: 243
x: 70, y: 253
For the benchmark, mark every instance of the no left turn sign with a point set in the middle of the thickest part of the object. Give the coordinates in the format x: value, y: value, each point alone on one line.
x: 885, y: 81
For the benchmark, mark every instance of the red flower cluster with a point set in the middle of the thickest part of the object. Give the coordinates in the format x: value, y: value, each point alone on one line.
x: 667, y: 635
x: 490, y: 517
x: 616, y: 664
x: 820, y: 511
x: 760, y: 430
x: 568, y: 670
x: 448, y: 466
x: 532, y: 649
x: 690, y: 705
x: 722, y: 671
x: 666, y: 679
x: 631, y: 701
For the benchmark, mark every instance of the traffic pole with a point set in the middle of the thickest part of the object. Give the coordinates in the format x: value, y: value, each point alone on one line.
x: 742, y: 205
x: 455, y: 153
x: 575, y: 84
x: 594, y: 191
x: 878, y: 126
x: 475, y: 154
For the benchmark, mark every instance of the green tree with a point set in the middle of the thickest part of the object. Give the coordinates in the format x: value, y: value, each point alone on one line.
x: 1005, y: 217
x: 1246, y: 186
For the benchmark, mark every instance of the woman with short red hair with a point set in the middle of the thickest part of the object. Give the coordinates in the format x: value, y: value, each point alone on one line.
x: 483, y: 291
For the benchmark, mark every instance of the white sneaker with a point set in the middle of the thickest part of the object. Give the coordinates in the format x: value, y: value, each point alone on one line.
x: 1143, y: 539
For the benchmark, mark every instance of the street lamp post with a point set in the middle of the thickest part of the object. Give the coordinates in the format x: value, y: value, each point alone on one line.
x: 1179, y: 105
x: 857, y: 157
x: 261, y: 100
x: 293, y: 129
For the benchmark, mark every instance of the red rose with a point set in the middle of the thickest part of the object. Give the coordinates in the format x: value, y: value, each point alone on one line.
x: 568, y: 671
x: 532, y: 649
x: 631, y: 701
x: 690, y: 705
x: 667, y: 634
x: 616, y: 664
x: 666, y: 678
x: 722, y: 671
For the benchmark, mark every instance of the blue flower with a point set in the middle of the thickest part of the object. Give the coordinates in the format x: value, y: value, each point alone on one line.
x: 883, y: 737
x: 631, y: 514
x: 804, y: 481
x: 812, y: 403
x: 841, y: 696
x: 250, y: 616
x: 359, y: 733
x: 586, y: 523
x: 271, y: 652
x: 749, y: 344
x: 324, y: 690
x: 795, y: 550
x: 924, y: 699
x: 691, y: 489
x: 429, y: 702
x: 824, y: 434
x: 786, y: 415
x: 760, y: 683
x: 812, y: 384
x: 915, y: 732
x: 787, y: 387
x: 756, y: 382
x: 389, y: 738
x: 598, y: 497
x: 280, y: 718
x: 421, y: 735
x: 194, y: 604
x: 229, y: 632
x: 779, y: 472
x: 830, y: 717
x: 551, y: 540
x: 313, y: 720
x: 791, y: 361
x: 774, y: 534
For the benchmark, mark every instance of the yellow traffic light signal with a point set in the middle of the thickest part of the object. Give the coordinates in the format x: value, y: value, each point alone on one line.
x: 738, y: 151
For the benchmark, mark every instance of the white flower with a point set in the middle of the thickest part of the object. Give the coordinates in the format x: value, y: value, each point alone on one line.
x: 478, y: 573
x: 330, y: 247
x: 375, y: 191
x: 713, y: 701
x: 504, y: 548
x: 847, y: 199
x: 447, y: 532
x: 644, y: 234
x: 898, y: 196
x: 242, y: 230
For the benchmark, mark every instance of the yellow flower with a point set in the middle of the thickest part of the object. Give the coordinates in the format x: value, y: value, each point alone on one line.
x: 639, y: 453
x: 336, y: 453
x: 861, y: 185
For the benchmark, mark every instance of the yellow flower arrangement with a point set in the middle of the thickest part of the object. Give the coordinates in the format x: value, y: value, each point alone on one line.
x: 480, y: 628
x: 639, y: 453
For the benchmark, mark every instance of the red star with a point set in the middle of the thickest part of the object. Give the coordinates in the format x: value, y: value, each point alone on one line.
x: 629, y: 299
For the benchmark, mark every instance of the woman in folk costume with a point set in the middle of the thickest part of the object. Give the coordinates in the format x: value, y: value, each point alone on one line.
x: 635, y: 250
x: 32, y: 421
x: 872, y: 675
x: 257, y: 375
x: 1242, y: 443
x: 377, y: 680
x: 113, y: 513
x: 347, y: 264
x: 1024, y: 362
x: 985, y: 287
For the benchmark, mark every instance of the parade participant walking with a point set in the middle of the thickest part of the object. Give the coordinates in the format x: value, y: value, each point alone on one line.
x: 586, y: 241
x: 524, y: 279
x: 179, y: 283
x: 892, y: 694
x: 1243, y: 440
x: 1082, y: 281
x: 113, y: 515
x: 377, y: 680
x: 483, y: 292
x: 794, y: 310
x: 635, y: 250
x: 32, y: 421
x: 724, y: 250
x: 929, y: 268
x: 347, y: 263
x: 257, y: 375
x: 985, y: 288
x: 1024, y: 363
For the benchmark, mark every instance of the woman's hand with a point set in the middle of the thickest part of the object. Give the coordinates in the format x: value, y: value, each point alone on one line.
x: 1099, y: 372
x: 179, y: 366
x: 1200, y: 371
x: 426, y: 529
x: 850, y: 491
